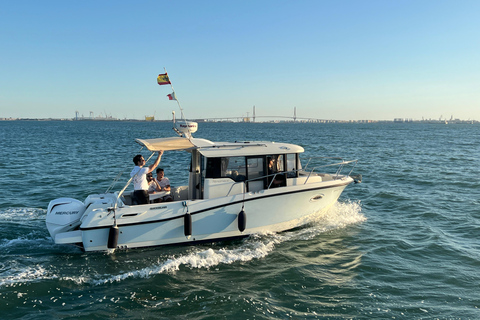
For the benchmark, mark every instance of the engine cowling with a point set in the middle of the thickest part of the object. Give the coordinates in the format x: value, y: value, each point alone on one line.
x: 64, y: 215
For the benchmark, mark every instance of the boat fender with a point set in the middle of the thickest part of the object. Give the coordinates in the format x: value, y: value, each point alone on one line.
x: 242, y: 221
x: 113, y: 237
x: 187, y: 224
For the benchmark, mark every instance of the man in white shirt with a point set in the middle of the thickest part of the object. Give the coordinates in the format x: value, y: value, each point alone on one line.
x: 139, y: 172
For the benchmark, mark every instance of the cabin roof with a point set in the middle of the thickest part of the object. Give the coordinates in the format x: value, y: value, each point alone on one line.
x: 220, y: 149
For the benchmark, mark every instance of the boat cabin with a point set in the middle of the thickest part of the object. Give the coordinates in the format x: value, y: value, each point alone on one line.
x: 220, y: 169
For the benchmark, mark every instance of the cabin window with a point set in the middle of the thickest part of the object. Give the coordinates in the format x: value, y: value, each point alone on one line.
x: 256, y: 173
x: 292, y: 171
x: 232, y: 167
x: 275, y: 167
x: 255, y: 168
x: 275, y: 163
x: 236, y: 168
x: 278, y: 167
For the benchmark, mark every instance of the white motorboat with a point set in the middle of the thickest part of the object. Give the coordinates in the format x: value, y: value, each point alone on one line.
x: 231, y: 193
x: 234, y: 190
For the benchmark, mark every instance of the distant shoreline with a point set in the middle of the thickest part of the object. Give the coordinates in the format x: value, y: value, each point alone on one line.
x: 226, y: 120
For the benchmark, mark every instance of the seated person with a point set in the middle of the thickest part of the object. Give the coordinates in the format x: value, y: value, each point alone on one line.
x: 278, y: 179
x: 152, y: 183
x: 162, y: 183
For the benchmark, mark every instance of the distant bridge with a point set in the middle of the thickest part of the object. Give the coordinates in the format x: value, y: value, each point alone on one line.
x: 253, y: 118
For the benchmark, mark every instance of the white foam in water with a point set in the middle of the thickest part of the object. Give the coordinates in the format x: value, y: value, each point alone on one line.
x: 341, y: 215
x: 201, y: 259
x: 31, y: 240
x: 256, y: 247
x: 28, y: 274
x: 22, y: 214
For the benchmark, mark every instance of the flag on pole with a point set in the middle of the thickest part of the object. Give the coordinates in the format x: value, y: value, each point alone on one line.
x: 172, y: 96
x: 163, y: 79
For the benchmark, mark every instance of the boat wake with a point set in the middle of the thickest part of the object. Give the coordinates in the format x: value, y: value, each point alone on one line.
x: 258, y: 246
x: 255, y: 247
x: 23, y: 215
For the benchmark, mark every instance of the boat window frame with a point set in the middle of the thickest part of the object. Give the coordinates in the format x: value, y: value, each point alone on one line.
x: 292, y: 172
x: 222, y: 164
x: 279, y: 172
x: 284, y: 171
x: 264, y: 168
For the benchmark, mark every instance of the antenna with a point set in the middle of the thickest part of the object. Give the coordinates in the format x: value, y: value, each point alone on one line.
x: 174, y: 125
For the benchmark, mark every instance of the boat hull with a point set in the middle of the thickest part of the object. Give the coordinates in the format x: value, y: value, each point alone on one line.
x: 273, y: 210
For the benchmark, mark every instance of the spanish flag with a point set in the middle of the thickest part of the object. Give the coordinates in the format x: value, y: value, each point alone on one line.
x: 163, y: 79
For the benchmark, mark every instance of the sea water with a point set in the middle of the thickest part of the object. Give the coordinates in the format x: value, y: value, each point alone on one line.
x: 403, y: 244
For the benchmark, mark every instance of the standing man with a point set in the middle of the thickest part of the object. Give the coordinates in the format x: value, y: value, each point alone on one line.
x: 140, y: 183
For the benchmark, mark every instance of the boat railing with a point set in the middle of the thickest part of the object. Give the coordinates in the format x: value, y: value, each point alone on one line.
x: 341, y: 165
x: 337, y: 175
x: 237, y: 144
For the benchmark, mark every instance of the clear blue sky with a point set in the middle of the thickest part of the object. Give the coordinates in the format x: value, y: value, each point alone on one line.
x: 330, y: 59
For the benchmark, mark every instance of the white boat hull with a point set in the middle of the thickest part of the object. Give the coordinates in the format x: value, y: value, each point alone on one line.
x: 273, y: 210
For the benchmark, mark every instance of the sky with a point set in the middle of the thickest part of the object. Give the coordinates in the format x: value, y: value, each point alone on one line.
x: 336, y: 60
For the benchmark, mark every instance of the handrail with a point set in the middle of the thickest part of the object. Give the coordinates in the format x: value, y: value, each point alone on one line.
x: 335, y: 177
x: 115, y: 180
x: 238, y: 144
x: 336, y: 158
x: 340, y: 168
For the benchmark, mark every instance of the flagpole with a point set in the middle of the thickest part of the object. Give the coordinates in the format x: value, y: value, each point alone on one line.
x: 176, y: 99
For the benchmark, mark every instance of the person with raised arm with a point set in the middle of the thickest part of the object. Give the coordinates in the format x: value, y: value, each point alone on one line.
x: 139, y: 175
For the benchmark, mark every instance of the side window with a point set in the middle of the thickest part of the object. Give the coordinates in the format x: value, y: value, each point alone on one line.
x: 280, y: 164
x: 233, y: 167
x: 255, y: 168
x: 213, y: 168
x: 256, y: 173
x: 292, y: 165
x: 275, y: 163
x: 276, y: 168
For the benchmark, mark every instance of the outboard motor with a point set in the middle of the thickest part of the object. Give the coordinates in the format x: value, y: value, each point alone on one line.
x: 64, y: 215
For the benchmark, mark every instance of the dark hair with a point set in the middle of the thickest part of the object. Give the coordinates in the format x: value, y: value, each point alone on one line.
x: 137, y: 158
x: 159, y: 169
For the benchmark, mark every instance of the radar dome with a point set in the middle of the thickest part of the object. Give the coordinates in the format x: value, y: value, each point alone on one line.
x: 186, y: 127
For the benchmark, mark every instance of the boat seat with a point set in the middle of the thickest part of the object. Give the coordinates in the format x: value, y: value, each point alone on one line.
x: 128, y: 198
x: 240, y: 178
x: 179, y: 193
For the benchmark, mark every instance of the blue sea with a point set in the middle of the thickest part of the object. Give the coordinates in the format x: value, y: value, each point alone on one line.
x: 403, y: 244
